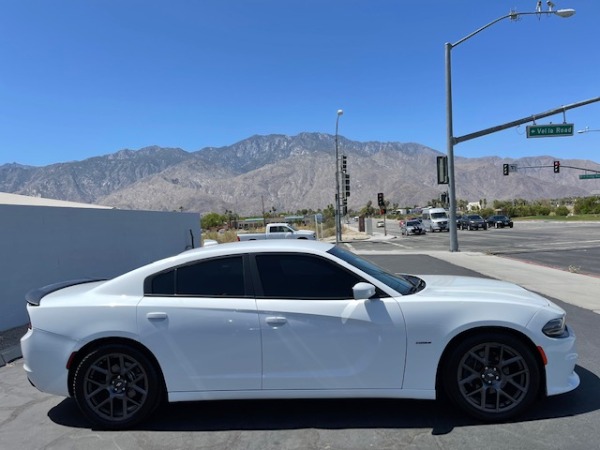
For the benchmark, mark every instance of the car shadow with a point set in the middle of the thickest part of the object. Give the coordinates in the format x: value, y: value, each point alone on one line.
x: 440, y: 416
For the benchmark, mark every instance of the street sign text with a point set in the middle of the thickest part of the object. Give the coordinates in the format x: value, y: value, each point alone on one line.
x: 565, y: 129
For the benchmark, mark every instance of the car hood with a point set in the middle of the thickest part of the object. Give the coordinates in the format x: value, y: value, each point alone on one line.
x: 440, y: 287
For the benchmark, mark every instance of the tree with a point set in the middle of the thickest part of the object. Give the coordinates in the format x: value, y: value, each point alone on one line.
x: 587, y: 205
x: 368, y: 210
x: 212, y: 220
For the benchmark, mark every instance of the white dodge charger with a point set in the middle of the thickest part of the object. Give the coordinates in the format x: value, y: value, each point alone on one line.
x: 292, y: 319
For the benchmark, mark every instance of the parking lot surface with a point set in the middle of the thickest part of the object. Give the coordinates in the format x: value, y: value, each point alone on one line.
x: 33, y: 420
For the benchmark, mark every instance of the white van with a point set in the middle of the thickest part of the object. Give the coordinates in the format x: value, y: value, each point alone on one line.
x: 435, y: 219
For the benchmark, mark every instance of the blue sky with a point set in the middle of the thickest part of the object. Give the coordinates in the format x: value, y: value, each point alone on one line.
x: 87, y: 78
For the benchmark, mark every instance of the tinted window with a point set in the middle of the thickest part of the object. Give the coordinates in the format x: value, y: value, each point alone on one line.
x: 211, y: 278
x: 163, y: 283
x: 215, y: 277
x: 401, y: 284
x: 303, y: 276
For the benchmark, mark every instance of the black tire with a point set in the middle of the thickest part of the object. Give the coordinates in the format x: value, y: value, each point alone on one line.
x: 116, y: 387
x: 491, y: 376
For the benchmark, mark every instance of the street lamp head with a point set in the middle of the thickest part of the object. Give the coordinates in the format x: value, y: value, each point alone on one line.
x: 340, y: 112
x: 565, y: 12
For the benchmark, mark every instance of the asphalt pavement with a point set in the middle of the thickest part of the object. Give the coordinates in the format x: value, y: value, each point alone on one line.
x: 572, y: 288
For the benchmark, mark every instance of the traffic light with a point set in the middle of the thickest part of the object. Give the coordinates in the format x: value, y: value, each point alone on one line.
x: 442, y: 170
x: 505, y: 169
x: 380, y: 200
x: 556, y: 166
x: 346, y: 185
x: 344, y: 163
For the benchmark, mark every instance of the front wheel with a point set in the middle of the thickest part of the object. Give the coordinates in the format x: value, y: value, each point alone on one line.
x: 116, y: 387
x: 492, y: 376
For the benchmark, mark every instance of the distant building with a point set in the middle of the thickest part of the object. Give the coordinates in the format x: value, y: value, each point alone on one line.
x: 473, y: 206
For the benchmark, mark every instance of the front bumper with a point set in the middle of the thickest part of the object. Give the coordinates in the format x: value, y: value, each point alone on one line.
x: 560, y: 370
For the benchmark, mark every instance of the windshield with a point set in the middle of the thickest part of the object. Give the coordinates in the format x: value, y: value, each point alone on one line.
x: 401, y: 284
x: 439, y: 215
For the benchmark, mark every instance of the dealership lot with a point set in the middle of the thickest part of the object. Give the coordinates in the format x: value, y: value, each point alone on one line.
x: 567, y: 421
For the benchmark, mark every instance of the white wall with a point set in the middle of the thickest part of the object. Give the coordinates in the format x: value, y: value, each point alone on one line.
x: 40, y: 245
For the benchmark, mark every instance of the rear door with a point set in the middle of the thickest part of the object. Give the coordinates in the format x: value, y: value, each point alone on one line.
x: 201, y: 323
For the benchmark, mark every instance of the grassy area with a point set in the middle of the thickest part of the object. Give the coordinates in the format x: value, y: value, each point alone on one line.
x: 576, y: 218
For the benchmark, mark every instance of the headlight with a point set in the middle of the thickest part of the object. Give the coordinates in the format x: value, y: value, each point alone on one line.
x: 556, y: 328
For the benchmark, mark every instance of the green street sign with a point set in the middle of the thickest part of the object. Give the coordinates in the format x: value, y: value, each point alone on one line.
x: 589, y: 176
x: 535, y: 131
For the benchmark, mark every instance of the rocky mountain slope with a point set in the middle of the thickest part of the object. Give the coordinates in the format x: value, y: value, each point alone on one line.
x: 288, y: 173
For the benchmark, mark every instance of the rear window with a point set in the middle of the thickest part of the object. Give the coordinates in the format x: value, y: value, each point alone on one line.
x: 220, y: 277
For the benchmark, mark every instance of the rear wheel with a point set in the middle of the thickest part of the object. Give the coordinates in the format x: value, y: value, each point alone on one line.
x: 492, y: 376
x: 116, y: 386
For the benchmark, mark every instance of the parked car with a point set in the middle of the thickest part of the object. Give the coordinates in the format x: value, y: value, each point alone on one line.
x: 412, y: 227
x: 472, y: 222
x: 499, y: 221
x: 292, y: 319
x: 380, y: 224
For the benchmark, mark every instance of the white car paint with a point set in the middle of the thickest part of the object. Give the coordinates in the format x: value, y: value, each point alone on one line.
x: 255, y: 347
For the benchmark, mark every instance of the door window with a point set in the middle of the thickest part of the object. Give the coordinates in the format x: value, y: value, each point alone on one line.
x: 304, y: 276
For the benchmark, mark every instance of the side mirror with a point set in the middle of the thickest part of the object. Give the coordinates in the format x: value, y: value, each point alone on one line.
x: 363, y: 291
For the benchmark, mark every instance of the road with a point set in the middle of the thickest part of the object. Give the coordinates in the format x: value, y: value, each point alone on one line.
x: 573, y: 246
x: 33, y: 420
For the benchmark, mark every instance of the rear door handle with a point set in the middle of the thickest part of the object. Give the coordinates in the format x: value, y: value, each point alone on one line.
x: 276, y: 321
x: 156, y: 316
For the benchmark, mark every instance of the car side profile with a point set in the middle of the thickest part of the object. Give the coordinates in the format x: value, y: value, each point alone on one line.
x: 288, y: 319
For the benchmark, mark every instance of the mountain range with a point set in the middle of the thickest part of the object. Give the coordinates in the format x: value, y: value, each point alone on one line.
x: 288, y: 173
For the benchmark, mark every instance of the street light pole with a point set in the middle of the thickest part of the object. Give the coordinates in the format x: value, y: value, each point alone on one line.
x: 338, y: 218
x: 451, y: 141
x: 586, y: 130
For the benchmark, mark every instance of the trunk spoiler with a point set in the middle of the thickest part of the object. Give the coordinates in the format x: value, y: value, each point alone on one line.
x: 34, y: 296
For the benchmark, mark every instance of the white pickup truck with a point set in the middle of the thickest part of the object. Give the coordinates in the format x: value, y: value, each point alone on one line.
x: 278, y: 231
